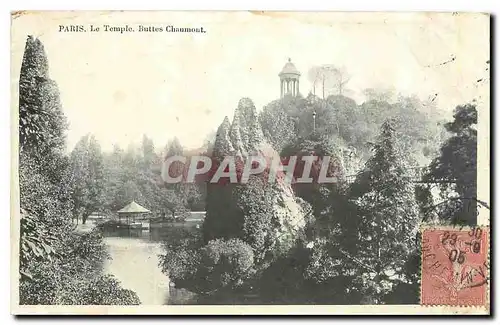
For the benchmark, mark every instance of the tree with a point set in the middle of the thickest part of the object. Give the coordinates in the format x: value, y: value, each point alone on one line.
x: 327, y: 75
x: 306, y: 120
x: 41, y: 121
x: 333, y: 79
x: 43, y: 216
x: 226, y: 263
x: 222, y: 220
x: 39, y: 104
x: 148, y: 152
x: 173, y: 148
x: 266, y: 216
x: 130, y: 192
x: 96, y: 175
x: 314, y: 75
x: 388, y: 217
x: 220, y: 264
x: 209, y: 141
x: 88, y: 181
x: 418, y: 127
x: 43, y: 169
x: 113, y: 170
x: 256, y: 210
x: 245, y: 132
x: 106, y: 290
x: 57, y: 264
x: 455, y: 169
x: 172, y: 203
x: 340, y: 79
x: 278, y: 126
x: 381, y: 95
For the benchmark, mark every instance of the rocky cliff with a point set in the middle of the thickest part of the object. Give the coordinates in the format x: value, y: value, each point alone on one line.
x: 269, y: 216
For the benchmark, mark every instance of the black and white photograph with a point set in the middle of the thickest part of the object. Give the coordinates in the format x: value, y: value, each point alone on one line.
x: 250, y: 160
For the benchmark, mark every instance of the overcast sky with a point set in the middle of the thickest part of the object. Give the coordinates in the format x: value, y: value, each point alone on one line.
x: 121, y: 86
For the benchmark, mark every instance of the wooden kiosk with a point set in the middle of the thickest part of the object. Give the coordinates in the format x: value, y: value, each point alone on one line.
x: 133, y: 215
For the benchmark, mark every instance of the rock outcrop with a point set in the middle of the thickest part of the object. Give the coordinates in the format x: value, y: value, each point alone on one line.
x: 268, y: 214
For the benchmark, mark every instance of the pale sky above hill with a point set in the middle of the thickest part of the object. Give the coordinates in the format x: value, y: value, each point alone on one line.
x: 121, y: 86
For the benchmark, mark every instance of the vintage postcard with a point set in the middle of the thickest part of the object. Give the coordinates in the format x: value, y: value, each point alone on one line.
x: 250, y: 163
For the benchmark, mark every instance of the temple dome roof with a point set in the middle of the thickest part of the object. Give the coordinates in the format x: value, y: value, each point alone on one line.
x: 289, y: 69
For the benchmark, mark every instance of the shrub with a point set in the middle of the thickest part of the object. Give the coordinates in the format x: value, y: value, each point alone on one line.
x: 181, y: 258
x: 219, y: 264
x: 106, y: 290
x: 283, y: 281
x: 226, y: 263
x: 41, y: 287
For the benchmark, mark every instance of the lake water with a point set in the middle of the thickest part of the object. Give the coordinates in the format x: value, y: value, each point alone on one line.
x: 135, y: 263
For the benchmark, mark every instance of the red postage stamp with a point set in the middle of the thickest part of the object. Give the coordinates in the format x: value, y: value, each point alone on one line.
x: 455, y: 267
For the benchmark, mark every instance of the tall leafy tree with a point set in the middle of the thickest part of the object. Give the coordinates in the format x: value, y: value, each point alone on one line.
x: 96, y: 174
x: 278, y: 126
x: 221, y: 221
x: 43, y: 169
x: 176, y: 199
x: 455, y: 170
x: 173, y: 148
x: 42, y: 124
x: 130, y: 192
x: 113, y: 166
x: 149, y: 175
x: 148, y: 152
x: 88, y: 177
x: 57, y: 265
x: 332, y: 79
x: 388, y: 217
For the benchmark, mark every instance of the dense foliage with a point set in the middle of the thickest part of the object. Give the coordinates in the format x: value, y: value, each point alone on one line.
x: 265, y: 215
x: 352, y: 125
x: 75, y: 276
x: 351, y: 242
x: 87, y: 177
x: 57, y: 264
x: 106, y: 182
x: 220, y: 264
x: 454, y: 170
x: 358, y: 238
x: 388, y: 218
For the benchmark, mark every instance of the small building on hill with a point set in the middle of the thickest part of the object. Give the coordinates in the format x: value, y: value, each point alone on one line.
x: 289, y: 80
